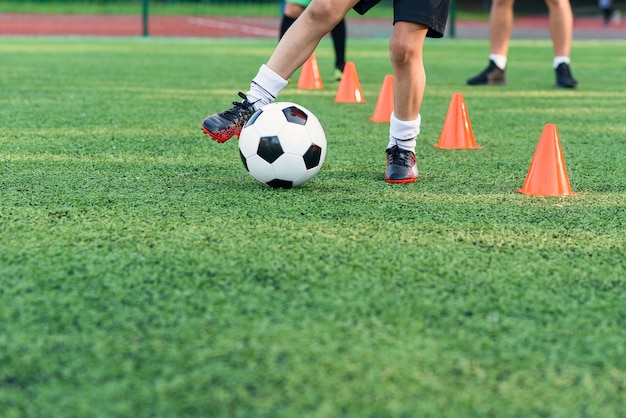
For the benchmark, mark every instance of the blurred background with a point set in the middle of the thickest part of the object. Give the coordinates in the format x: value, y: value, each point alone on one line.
x: 260, y: 18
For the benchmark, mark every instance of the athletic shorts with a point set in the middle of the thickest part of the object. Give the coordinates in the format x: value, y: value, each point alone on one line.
x: 431, y: 13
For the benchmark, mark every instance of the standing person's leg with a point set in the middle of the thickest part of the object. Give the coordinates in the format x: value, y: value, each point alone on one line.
x: 500, y: 29
x: 561, y: 26
x: 319, y: 18
x: 607, y: 11
x: 338, y: 35
x: 500, y: 26
x: 561, y: 32
x: 291, y: 11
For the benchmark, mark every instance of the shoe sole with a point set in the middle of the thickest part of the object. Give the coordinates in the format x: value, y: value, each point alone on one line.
x: 215, y: 137
x: 563, y: 86
x: 401, y: 181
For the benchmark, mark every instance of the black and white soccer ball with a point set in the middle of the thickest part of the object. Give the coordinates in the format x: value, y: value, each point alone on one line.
x: 283, y: 145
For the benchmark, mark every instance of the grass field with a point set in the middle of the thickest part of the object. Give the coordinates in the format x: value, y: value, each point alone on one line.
x: 144, y: 273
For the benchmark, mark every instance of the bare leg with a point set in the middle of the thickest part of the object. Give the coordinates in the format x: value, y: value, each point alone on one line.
x: 561, y: 26
x: 300, y: 41
x: 405, y: 49
x: 293, y: 10
x: 500, y: 26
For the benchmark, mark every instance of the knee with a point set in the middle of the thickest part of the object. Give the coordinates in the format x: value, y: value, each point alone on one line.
x: 323, y: 12
x: 404, y: 49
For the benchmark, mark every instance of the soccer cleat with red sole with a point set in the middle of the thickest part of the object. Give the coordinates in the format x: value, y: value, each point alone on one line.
x: 224, y: 125
x: 401, y: 166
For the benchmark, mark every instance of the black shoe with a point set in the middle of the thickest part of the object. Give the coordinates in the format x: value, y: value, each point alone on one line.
x: 401, y: 166
x: 564, y: 77
x: 223, y: 126
x: 491, y: 76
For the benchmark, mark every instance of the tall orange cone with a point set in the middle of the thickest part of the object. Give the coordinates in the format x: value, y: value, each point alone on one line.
x: 547, y: 175
x: 457, y: 130
x: 384, y: 105
x: 310, y: 77
x: 349, y: 90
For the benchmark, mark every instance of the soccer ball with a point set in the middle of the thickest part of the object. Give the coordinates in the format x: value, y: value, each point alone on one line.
x: 283, y: 145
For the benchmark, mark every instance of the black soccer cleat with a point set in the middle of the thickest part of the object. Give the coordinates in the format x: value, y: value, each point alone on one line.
x: 401, y: 166
x: 223, y: 126
x: 564, y: 77
x: 491, y: 76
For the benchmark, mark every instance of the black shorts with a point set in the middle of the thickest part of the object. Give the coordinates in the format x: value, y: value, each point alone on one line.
x: 431, y: 13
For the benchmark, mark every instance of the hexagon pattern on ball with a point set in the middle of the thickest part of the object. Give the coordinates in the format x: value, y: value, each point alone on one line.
x: 283, y: 145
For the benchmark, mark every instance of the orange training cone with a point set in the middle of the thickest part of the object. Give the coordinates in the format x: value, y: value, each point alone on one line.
x: 457, y: 129
x: 349, y: 90
x: 547, y: 175
x: 384, y: 105
x: 310, y: 77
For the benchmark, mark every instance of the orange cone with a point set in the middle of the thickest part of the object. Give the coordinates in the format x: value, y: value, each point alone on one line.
x: 547, y: 175
x: 310, y: 77
x: 349, y: 90
x: 457, y: 129
x: 384, y: 105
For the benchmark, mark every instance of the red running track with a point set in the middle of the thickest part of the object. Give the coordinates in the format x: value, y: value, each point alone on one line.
x: 242, y: 27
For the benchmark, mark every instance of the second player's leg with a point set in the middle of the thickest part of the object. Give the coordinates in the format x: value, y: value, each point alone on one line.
x: 500, y: 26
x: 302, y: 38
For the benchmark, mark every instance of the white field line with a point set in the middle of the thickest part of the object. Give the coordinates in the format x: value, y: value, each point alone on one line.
x: 234, y: 27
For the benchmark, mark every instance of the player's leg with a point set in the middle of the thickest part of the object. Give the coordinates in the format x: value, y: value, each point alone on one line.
x: 500, y: 26
x: 500, y: 29
x: 411, y: 26
x: 405, y: 51
x: 338, y: 35
x: 561, y: 31
x: 291, y: 52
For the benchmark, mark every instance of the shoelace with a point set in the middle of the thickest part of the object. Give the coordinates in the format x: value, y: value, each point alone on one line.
x: 244, y: 107
x: 400, y: 157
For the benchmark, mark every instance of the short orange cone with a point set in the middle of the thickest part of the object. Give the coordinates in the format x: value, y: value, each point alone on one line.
x: 310, y: 78
x: 457, y: 129
x: 547, y: 175
x: 349, y: 90
x: 384, y: 105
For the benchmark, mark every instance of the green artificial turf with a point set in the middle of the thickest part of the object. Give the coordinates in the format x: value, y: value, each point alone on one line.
x: 144, y: 273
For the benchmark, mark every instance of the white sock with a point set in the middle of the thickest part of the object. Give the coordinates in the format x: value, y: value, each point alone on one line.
x: 560, y: 59
x: 265, y: 87
x: 404, y: 133
x: 499, y: 60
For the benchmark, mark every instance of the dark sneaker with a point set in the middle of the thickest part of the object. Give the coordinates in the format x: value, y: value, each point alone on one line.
x: 401, y: 166
x: 223, y: 126
x: 564, y: 77
x: 491, y: 76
